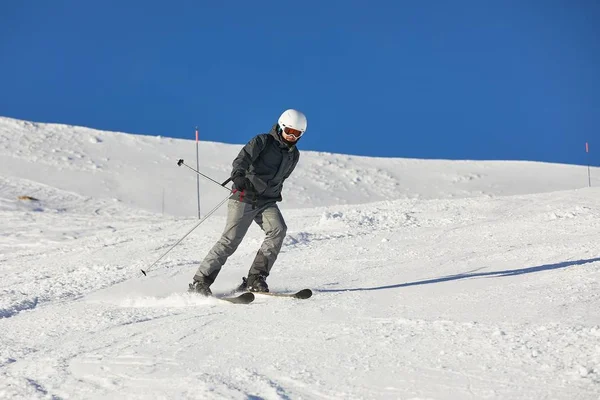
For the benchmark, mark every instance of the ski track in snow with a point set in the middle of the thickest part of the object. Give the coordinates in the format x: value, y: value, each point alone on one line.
x: 474, y: 281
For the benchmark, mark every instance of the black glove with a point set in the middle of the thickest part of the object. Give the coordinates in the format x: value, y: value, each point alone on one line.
x: 242, y: 183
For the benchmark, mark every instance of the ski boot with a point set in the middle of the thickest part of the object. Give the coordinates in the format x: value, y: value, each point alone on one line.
x: 243, y: 287
x: 200, y: 286
x: 256, y: 283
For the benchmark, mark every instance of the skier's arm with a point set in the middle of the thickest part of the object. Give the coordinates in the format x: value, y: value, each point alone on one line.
x: 248, y: 155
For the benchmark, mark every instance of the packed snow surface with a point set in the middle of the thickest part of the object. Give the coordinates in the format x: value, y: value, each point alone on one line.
x: 432, y: 279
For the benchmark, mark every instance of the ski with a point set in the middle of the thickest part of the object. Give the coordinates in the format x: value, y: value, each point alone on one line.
x: 244, y: 298
x: 301, y: 294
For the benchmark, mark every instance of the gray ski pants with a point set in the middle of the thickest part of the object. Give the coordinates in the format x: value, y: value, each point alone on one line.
x: 239, y: 218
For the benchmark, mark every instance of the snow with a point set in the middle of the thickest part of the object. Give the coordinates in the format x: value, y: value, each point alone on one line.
x: 432, y: 279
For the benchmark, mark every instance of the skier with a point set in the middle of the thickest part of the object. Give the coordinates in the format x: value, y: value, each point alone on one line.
x: 259, y: 171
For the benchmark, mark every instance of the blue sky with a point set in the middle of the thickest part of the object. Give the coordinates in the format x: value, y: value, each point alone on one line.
x: 516, y: 80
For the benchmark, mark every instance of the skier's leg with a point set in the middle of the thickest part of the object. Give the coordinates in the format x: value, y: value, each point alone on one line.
x: 239, y: 217
x: 272, y: 223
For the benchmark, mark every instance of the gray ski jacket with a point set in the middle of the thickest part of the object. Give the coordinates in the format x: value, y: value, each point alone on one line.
x: 267, y: 161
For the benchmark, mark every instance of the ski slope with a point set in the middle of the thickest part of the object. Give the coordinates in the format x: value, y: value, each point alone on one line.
x: 432, y: 279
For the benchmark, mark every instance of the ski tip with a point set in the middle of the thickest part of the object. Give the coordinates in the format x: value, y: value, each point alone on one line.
x: 144, y: 272
x: 247, y: 296
x: 244, y: 298
x: 304, y: 294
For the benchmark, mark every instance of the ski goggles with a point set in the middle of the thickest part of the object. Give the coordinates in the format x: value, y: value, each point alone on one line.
x: 293, y: 132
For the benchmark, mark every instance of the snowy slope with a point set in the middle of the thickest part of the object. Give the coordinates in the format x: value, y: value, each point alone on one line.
x: 432, y: 279
x: 138, y: 170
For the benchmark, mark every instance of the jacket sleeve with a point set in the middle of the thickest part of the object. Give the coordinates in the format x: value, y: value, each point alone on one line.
x: 248, y: 155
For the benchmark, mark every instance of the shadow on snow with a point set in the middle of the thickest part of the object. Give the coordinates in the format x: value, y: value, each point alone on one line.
x: 510, y: 272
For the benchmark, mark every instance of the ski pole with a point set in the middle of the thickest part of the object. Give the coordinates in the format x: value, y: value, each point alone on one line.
x: 191, y: 230
x: 181, y: 162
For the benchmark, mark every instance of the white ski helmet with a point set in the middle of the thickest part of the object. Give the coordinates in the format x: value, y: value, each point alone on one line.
x: 293, y: 119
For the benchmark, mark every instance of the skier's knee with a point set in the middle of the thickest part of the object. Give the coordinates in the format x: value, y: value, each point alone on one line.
x: 279, y: 231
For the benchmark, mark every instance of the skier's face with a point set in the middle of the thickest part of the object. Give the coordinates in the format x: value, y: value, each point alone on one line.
x: 289, y: 138
x: 291, y: 135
